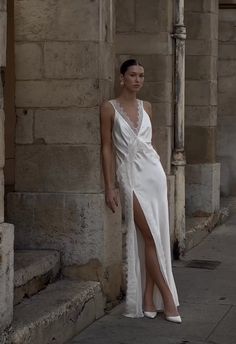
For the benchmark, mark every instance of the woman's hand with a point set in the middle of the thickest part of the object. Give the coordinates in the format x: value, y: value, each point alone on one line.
x: 111, y: 197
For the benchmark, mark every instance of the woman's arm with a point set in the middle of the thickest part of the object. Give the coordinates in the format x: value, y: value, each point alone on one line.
x: 106, y: 122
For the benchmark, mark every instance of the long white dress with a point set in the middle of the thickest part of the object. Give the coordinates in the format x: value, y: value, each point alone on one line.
x: 139, y: 171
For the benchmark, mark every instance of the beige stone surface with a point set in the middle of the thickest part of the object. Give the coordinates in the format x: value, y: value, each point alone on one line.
x: 73, y: 60
x: 227, y: 51
x: 202, y: 189
x: 58, y: 168
x: 3, y: 5
x: 143, y: 43
x: 154, y: 17
x: 227, y: 31
x: 28, y: 61
x: 24, y: 126
x: 50, y: 20
x: 202, y: 25
x: 163, y: 143
x: 6, y: 274
x: 162, y: 114
x: 125, y: 23
x: 205, y: 67
x: 156, y: 92
x: 71, y: 125
x: 203, y: 116
x: 78, y: 225
x: 1, y: 196
x: 2, y: 143
x: 201, y: 92
x: 3, y: 32
x: 67, y: 305
x: 227, y: 68
x: 200, y: 144
x: 203, y: 47
x: 9, y: 171
x: 57, y: 93
x: 201, y: 6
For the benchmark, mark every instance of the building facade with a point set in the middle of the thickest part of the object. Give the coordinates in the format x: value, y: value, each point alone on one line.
x: 59, y: 60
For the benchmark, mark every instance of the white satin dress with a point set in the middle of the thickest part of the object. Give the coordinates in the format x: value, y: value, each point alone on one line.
x: 139, y: 171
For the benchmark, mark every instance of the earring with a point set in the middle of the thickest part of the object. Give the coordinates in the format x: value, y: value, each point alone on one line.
x: 122, y: 83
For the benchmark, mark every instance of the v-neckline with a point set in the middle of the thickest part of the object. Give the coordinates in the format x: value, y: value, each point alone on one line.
x: 126, y: 117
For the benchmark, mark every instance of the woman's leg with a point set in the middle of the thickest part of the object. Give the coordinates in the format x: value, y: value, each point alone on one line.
x: 151, y: 261
x: 148, y: 293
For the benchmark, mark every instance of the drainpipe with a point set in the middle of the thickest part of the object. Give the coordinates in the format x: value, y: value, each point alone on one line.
x: 178, y: 157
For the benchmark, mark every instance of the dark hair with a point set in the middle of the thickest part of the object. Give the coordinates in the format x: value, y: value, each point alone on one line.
x: 128, y: 63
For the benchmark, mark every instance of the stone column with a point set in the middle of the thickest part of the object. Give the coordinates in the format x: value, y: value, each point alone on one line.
x: 202, y: 171
x: 64, y: 69
x: 6, y: 230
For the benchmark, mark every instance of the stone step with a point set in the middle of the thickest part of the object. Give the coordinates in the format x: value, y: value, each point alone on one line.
x: 57, y: 313
x: 34, y: 270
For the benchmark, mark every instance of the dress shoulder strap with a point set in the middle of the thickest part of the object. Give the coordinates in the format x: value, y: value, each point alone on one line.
x: 112, y: 102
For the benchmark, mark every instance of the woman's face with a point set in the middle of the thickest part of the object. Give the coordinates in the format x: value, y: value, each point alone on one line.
x: 133, y: 78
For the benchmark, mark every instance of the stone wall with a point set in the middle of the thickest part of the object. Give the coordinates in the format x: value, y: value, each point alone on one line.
x: 226, y: 140
x: 64, y: 69
x: 6, y: 230
x: 202, y: 171
x: 143, y: 31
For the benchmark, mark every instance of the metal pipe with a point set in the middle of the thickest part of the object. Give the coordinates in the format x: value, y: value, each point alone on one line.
x: 178, y: 158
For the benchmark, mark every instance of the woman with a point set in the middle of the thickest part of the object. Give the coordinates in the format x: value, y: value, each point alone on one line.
x: 126, y: 124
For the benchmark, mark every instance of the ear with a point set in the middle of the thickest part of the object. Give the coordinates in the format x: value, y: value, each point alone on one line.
x: 121, y: 80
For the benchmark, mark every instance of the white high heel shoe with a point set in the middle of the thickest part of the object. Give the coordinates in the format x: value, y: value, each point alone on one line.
x: 175, y: 319
x: 150, y: 315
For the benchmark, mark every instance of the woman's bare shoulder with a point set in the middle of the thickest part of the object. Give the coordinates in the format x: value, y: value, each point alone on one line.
x: 106, y: 108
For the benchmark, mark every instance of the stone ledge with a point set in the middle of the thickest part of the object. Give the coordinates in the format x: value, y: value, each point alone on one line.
x: 67, y: 305
x: 34, y: 269
x: 197, y: 228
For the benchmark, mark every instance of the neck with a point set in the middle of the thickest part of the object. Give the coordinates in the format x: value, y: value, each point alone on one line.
x: 128, y: 96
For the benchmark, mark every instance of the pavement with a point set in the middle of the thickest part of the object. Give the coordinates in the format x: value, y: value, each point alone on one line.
x: 206, y: 283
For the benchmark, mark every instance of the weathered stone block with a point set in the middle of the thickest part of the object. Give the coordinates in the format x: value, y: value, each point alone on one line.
x: 202, y: 25
x: 6, y: 274
x: 205, y: 149
x: 106, y: 61
x: 9, y: 172
x: 48, y: 20
x: 227, y: 32
x: 201, y: 116
x: 202, y: 47
x: 226, y: 143
x: 226, y: 104
x: 201, y: 6
x: 73, y: 125
x: 162, y: 114
x: 3, y: 33
x: 58, y: 168
x: 64, y: 60
x: 80, y: 226
x: 2, y: 143
x: 24, y: 126
x: 152, y: 18
x: 143, y: 43
x: 227, y: 15
x: 201, y: 92
x: 156, y: 92
x: 3, y: 5
x: 57, y: 93
x: 28, y: 61
x: 227, y: 68
x: 227, y: 51
x: 202, y: 189
x: 205, y: 67
x: 125, y: 23
x: 1, y: 196
x: 171, y: 204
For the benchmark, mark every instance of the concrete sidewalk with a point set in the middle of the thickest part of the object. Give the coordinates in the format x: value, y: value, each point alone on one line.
x: 207, y: 295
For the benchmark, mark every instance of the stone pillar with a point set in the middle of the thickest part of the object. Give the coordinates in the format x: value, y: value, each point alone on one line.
x: 64, y: 69
x: 143, y: 31
x: 226, y: 128
x: 202, y: 171
x: 6, y: 230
